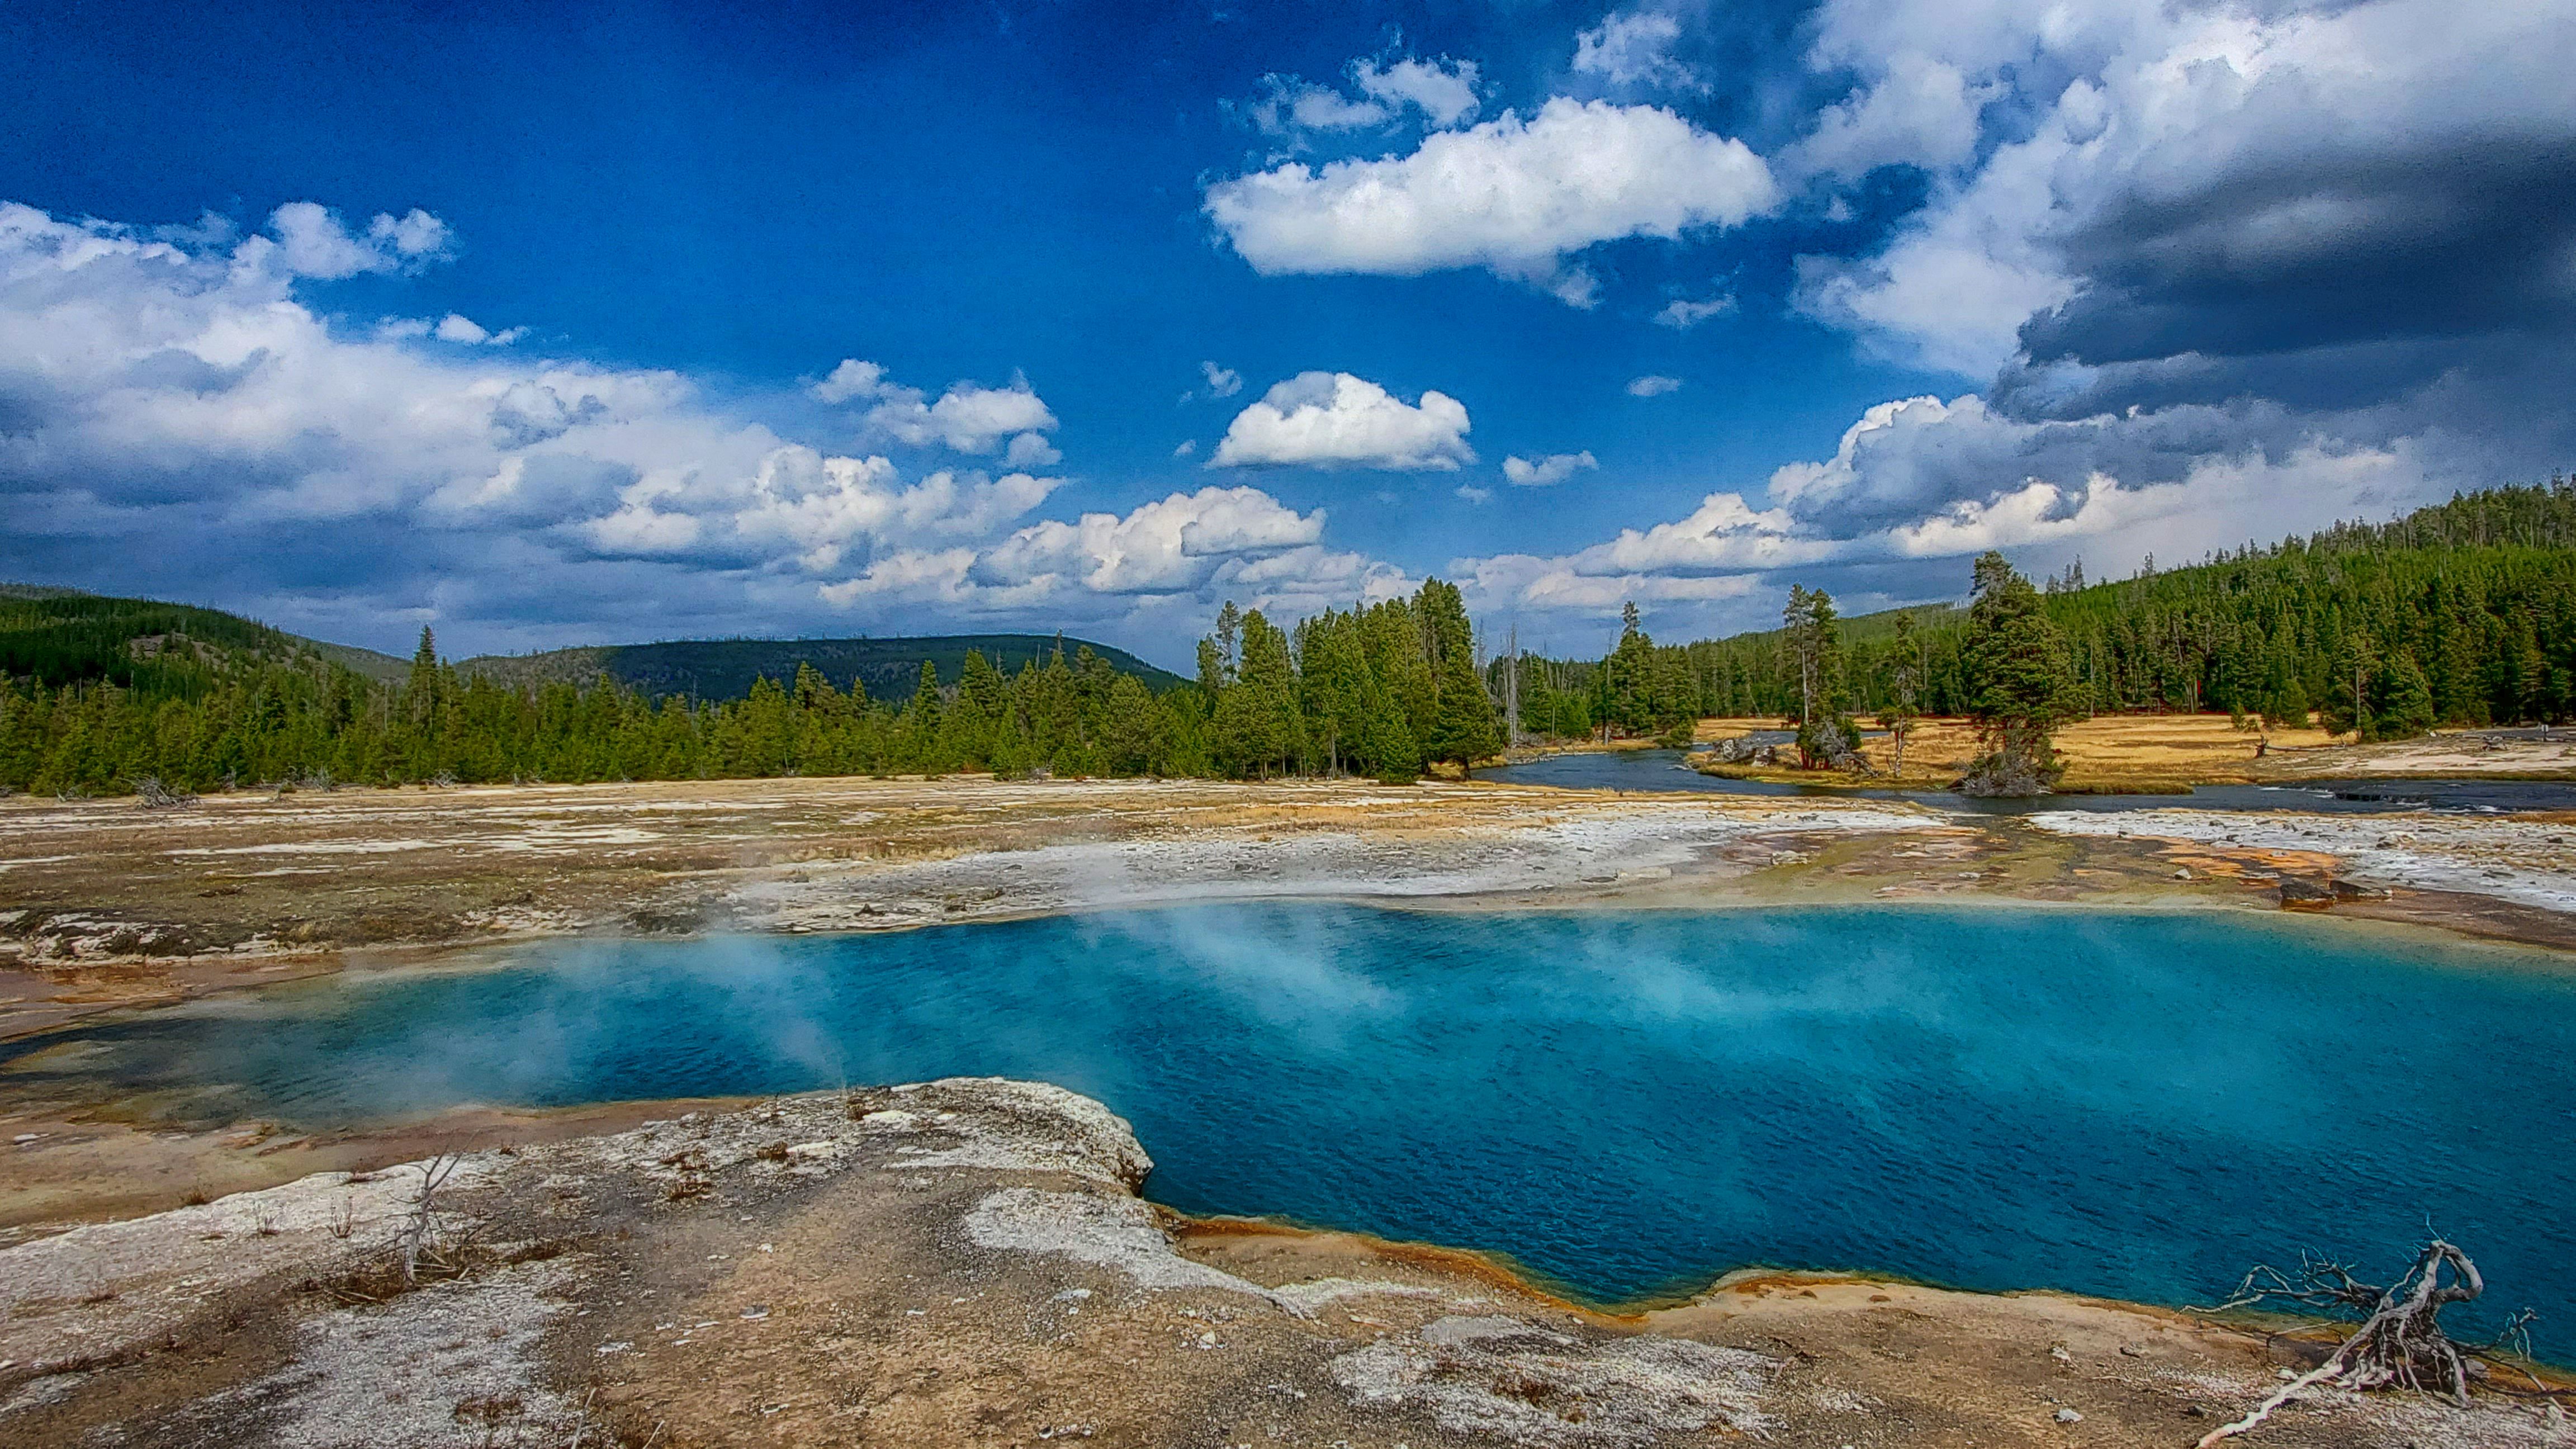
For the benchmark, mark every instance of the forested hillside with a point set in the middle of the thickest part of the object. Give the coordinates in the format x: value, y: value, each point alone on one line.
x: 726, y: 668
x: 60, y: 636
x: 2461, y: 613
x: 1383, y: 690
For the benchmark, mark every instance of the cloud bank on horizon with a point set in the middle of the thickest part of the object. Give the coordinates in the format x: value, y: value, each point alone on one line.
x: 2135, y: 279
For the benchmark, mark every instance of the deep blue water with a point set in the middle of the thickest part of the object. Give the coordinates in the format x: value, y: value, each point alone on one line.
x: 2133, y: 1104
x: 1661, y: 770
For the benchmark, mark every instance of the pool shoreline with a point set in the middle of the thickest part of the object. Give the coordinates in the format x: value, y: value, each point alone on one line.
x: 1853, y: 1038
x: 486, y: 1127
x: 1016, y: 1212
x: 1704, y: 856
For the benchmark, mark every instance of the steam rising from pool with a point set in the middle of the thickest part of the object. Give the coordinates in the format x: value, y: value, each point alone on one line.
x: 2135, y: 1105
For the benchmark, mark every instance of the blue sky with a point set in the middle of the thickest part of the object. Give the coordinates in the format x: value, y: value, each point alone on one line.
x: 600, y: 323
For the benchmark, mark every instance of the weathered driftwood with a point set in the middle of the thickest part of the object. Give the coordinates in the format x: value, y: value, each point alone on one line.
x: 153, y: 795
x: 2399, y: 1343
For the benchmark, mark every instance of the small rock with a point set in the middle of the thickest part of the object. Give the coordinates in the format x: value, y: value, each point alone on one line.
x: 2069, y: 1416
x: 2183, y: 874
x: 2304, y: 895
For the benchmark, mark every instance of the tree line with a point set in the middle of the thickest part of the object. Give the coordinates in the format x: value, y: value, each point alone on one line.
x: 2464, y: 612
x: 1384, y: 690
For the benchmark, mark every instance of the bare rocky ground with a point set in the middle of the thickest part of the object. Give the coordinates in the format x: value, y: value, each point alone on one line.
x: 809, y: 1271
x: 966, y: 1263
x: 105, y: 905
x: 2508, y: 754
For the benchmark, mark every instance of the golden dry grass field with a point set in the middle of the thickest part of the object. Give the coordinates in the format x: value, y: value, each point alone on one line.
x: 2128, y: 753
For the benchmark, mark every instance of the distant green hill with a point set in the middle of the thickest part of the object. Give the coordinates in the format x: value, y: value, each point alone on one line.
x: 725, y: 668
x: 1866, y: 628
x: 63, y: 636
x: 382, y: 668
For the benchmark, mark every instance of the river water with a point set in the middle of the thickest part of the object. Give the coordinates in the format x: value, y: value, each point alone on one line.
x: 2136, y: 1104
x: 1667, y: 770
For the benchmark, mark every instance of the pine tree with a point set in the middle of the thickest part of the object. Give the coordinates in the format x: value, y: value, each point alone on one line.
x: 1470, y: 729
x: 921, y: 724
x: 1905, y: 677
x: 422, y: 694
x: 1627, y: 675
x: 1256, y: 716
x: 2403, y: 706
x: 2020, y: 678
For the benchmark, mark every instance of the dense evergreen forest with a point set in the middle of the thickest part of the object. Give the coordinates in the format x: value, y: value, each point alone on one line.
x: 97, y: 696
x: 887, y: 668
x: 2460, y: 613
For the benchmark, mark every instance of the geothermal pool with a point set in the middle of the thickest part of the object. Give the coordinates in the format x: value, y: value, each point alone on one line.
x: 1623, y: 1103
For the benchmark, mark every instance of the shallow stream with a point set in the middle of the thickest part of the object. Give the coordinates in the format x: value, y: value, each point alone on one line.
x: 1662, y: 770
x: 2134, y: 1104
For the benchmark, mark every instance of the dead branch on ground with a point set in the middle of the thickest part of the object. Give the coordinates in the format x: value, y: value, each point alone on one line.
x: 153, y: 795
x: 420, y: 1235
x: 2399, y: 1342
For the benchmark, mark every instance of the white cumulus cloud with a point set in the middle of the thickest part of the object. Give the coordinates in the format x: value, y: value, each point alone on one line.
x: 1681, y: 314
x: 1178, y: 551
x: 1653, y: 384
x: 1918, y: 111
x: 1031, y: 450
x: 1291, y: 106
x: 1546, y: 472
x: 1443, y: 90
x: 161, y: 388
x: 1516, y: 197
x: 851, y: 379
x: 968, y: 418
x: 1635, y: 48
x: 312, y: 242
x: 1336, y: 420
x: 1293, y: 109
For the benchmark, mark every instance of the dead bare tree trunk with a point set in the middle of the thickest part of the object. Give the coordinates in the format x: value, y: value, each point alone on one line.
x: 420, y: 1234
x: 153, y: 795
x: 2399, y: 1343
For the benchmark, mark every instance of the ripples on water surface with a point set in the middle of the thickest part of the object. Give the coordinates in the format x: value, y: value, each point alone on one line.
x: 2128, y: 1104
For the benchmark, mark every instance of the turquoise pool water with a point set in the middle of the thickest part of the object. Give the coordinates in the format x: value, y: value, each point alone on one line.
x: 2133, y: 1104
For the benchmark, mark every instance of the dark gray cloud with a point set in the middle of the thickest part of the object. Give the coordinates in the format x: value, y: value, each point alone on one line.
x: 2465, y: 238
